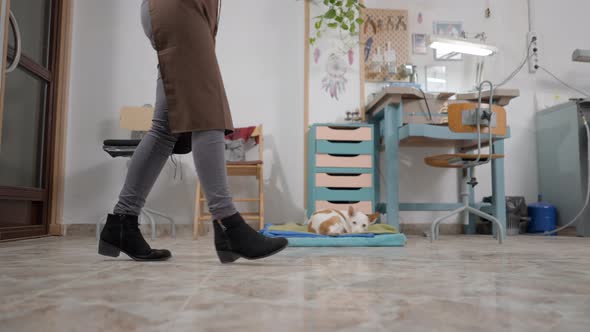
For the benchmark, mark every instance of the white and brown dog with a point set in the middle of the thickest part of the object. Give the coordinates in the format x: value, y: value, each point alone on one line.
x: 334, y: 222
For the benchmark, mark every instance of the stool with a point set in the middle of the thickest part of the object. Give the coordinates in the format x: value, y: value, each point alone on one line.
x: 471, y: 118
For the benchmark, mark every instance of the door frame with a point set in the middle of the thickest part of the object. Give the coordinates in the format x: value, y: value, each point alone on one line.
x: 54, y: 127
x: 56, y: 168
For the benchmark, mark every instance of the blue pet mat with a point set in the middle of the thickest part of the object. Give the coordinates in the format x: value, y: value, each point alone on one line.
x: 304, y: 239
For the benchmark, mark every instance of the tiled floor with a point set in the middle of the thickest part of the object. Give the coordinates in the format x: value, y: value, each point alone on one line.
x: 457, y: 284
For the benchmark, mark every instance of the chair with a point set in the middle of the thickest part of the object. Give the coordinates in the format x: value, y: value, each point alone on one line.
x: 471, y: 118
x: 138, y: 119
x: 237, y: 168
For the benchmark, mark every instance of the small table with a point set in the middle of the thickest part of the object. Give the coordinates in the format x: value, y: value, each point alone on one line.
x: 386, y: 112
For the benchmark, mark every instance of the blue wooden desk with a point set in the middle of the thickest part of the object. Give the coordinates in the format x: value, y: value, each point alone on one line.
x: 386, y: 114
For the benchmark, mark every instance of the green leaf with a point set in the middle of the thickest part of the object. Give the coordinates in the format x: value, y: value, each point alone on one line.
x: 339, y: 19
x: 360, y: 21
x: 318, y: 25
x: 326, y: 2
x: 350, y: 3
x: 352, y: 28
x: 330, y: 14
x: 332, y: 1
x: 344, y: 26
x: 312, y: 41
x: 333, y: 25
x: 338, y: 3
x: 350, y: 15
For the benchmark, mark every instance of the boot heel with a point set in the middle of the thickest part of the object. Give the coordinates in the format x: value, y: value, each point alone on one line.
x: 227, y: 256
x: 106, y: 249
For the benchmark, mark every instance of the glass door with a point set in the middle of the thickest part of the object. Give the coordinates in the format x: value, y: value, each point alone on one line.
x: 25, y: 118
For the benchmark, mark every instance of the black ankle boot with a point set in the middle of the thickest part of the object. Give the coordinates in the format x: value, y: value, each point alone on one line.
x: 121, y: 233
x: 235, y: 239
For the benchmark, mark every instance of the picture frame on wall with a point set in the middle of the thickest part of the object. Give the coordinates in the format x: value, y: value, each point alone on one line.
x: 419, y: 44
x: 448, y: 29
x: 436, y: 78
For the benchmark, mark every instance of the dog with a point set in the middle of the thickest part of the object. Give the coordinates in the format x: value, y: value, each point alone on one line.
x: 334, y: 222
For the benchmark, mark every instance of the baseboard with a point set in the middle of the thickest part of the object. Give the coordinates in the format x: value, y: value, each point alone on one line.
x: 57, y: 229
x: 421, y: 229
x: 184, y: 230
x: 161, y: 230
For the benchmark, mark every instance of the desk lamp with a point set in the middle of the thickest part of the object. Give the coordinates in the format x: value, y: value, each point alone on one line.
x: 581, y: 55
x: 463, y: 46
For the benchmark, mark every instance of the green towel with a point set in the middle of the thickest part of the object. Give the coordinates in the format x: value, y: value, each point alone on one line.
x: 373, y: 229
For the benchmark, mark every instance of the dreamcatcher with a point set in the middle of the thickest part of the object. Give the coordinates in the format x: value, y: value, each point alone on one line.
x: 335, y: 83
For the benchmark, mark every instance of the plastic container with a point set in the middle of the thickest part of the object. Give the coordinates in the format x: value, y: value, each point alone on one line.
x: 543, y: 217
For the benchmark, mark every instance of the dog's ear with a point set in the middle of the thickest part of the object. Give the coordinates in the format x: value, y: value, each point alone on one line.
x: 373, y: 218
x: 351, y: 211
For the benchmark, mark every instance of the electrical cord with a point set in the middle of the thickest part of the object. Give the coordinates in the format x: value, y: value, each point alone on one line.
x: 427, y: 105
x: 520, y: 66
x: 586, y: 126
x: 577, y: 217
x: 585, y: 94
x: 523, y: 63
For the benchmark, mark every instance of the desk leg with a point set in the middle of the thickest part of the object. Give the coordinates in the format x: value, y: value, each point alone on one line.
x: 498, y: 189
x: 377, y: 164
x: 391, y: 127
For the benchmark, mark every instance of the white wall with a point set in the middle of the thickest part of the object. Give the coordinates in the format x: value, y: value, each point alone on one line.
x: 261, y: 55
x: 323, y: 108
x: 113, y: 65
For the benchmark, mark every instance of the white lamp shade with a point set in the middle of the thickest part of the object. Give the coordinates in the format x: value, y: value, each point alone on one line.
x: 581, y: 56
x: 450, y: 45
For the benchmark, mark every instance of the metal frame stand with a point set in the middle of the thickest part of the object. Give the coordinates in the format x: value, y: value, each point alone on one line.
x: 465, y: 194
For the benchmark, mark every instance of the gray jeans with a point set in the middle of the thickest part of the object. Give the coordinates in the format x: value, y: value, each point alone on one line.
x: 157, y: 145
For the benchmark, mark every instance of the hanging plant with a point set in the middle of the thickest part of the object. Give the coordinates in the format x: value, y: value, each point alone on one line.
x: 341, y: 15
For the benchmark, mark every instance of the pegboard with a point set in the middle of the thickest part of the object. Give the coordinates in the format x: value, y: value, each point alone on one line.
x: 380, y: 27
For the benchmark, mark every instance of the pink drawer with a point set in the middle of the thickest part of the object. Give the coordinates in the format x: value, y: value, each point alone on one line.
x: 364, y: 207
x: 360, y: 161
x: 344, y: 181
x: 344, y: 133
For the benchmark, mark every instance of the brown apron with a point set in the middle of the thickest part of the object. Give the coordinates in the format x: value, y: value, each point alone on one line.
x: 184, y: 34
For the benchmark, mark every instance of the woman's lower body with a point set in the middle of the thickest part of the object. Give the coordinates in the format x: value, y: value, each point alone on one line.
x: 234, y: 238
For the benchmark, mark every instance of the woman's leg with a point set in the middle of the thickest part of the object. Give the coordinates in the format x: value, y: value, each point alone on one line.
x: 148, y: 160
x: 155, y: 148
x: 121, y: 232
x: 233, y: 237
x: 209, y: 155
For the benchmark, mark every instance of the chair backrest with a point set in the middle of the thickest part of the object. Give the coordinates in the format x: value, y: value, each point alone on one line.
x: 257, y: 133
x: 136, y: 118
x: 462, y: 111
x: 254, y: 133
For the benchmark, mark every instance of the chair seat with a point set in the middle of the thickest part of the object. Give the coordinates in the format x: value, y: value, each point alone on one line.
x: 244, y: 163
x: 458, y: 160
x: 121, y: 142
x: 120, y: 147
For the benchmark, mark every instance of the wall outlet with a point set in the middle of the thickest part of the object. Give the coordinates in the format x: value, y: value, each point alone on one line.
x: 533, y: 60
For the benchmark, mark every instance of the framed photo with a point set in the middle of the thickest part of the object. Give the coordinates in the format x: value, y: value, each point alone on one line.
x: 419, y: 43
x: 436, y: 78
x: 448, y: 29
